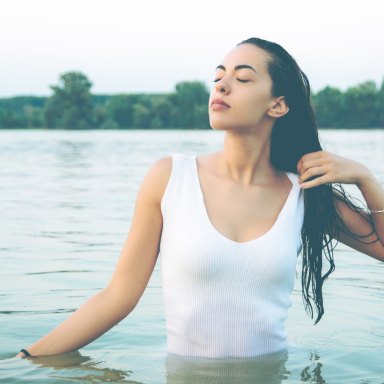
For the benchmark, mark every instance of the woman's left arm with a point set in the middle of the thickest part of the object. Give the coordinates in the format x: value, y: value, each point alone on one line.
x: 327, y: 167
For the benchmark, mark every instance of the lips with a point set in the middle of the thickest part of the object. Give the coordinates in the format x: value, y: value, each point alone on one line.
x: 220, y: 102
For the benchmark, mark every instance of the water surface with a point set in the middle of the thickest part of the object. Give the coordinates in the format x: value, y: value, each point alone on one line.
x: 66, y: 204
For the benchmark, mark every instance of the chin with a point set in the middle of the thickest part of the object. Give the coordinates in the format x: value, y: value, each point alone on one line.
x: 220, y: 124
x: 225, y: 126
x: 220, y: 127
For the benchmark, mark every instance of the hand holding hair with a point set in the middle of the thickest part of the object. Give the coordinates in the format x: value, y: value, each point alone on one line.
x: 327, y: 167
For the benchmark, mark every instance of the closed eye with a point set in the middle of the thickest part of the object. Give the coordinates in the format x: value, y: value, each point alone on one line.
x: 241, y: 80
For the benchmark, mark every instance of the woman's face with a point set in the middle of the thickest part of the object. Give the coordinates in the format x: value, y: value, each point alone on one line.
x: 243, y: 82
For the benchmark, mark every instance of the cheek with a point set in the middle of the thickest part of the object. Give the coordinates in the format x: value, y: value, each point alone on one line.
x: 257, y: 104
x: 251, y: 107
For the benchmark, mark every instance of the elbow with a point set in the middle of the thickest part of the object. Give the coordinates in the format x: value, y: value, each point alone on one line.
x: 122, y: 302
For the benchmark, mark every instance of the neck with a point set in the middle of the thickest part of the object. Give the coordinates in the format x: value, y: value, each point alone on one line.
x: 246, y: 157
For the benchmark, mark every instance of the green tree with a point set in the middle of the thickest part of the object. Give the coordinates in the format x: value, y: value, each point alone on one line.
x: 161, y: 112
x: 9, y: 119
x: 380, y: 106
x: 119, y: 109
x: 141, y: 116
x: 201, y: 116
x: 360, y: 105
x: 329, y: 106
x: 71, y: 105
x: 3, y: 116
x: 21, y: 112
x: 34, y: 116
x: 185, y: 100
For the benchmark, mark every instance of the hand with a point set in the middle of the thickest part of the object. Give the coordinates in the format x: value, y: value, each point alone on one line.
x: 326, y: 167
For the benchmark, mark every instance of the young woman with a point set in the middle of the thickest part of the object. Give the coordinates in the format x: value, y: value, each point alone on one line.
x: 229, y: 225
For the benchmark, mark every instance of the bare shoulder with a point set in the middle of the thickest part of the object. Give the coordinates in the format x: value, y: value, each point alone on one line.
x: 156, y: 179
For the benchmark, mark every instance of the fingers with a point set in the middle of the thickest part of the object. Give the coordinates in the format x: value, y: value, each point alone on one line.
x: 315, y: 182
x: 313, y: 177
x: 312, y: 159
x: 313, y: 170
x: 309, y: 164
x: 327, y: 167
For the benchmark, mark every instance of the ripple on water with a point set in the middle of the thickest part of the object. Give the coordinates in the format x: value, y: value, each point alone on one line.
x: 67, y: 200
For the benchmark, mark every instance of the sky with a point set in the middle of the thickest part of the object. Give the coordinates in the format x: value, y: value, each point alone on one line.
x: 126, y: 46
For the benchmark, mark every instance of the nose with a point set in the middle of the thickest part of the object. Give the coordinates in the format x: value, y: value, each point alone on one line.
x: 221, y: 87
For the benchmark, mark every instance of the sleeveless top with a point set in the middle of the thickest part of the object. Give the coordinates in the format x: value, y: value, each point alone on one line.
x: 223, y: 298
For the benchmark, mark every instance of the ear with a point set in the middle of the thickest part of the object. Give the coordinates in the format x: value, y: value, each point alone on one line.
x: 278, y: 108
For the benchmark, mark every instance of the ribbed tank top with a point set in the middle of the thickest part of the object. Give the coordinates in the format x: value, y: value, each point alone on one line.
x: 223, y: 298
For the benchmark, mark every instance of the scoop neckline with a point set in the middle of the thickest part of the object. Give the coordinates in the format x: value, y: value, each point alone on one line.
x: 263, y: 236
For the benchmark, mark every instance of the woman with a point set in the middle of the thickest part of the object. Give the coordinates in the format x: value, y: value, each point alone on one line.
x: 229, y: 225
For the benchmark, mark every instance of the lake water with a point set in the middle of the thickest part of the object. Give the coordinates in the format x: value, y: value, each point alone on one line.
x: 66, y: 204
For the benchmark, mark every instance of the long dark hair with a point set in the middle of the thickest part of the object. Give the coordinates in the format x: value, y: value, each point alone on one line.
x: 298, y: 127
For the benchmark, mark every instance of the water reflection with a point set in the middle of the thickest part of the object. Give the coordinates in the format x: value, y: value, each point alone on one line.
x: 269, y: 369
x: 312, y: 373
x: 74, y: 366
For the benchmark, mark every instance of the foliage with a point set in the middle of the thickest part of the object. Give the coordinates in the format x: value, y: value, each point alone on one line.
x: 380, y: 106
x: 360, y: 106
x: 329, y: 105
x: 72, y: 106
x: 22, y: 112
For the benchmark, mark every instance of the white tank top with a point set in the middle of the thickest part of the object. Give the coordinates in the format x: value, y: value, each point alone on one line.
x: 223, y: 298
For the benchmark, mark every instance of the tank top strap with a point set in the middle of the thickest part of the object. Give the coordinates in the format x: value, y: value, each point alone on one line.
x: 181, y: 169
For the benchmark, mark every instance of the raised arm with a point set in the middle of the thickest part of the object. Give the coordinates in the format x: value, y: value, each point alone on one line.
x: 130, y: 278
x: 330, y: 168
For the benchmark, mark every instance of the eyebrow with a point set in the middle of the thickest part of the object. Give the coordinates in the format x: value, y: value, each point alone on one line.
x: 241, y: 66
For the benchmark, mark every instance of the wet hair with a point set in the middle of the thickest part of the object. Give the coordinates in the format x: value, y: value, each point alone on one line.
x: 322, y: 223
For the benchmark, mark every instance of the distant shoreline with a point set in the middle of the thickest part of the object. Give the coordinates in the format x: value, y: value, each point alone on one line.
x: 165, y: 129
x: 73, y: 106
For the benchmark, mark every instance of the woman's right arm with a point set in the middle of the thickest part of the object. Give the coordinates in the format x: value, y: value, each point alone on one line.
x: 129, y: 280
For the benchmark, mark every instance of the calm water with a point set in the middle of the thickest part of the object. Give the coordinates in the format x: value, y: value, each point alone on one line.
x: 66, y: 203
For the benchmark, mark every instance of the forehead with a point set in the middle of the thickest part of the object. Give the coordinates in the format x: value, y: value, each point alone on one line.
x: 247, y: 54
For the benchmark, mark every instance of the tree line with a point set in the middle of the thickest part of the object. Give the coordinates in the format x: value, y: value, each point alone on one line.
x: 73, y: 106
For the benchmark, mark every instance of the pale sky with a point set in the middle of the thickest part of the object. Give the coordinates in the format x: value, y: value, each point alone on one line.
x: 126, y: 46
